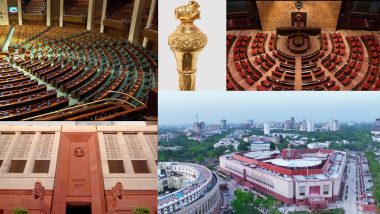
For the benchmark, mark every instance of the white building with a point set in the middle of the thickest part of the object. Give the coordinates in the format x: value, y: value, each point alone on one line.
x: 297, y: 142
x: 376, y: 138
x: 167, y: 136
x: 324, y: 145
x: 260, y: 146
x: 334, y: 125
x: 254, y: 138
x: 376, y: 131
x: 223, y: 124
x: 169, y: 148
x: 266, y: 128
x: 250, y: 123
x: 286, y: 135
x: 310, y: 126
x: 226, y: 142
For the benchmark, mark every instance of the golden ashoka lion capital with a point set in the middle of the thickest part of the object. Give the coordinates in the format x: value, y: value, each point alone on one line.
x: 188, y: 12
x: 186, y: 42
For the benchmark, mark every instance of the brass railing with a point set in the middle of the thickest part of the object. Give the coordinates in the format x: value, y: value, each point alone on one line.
x: 86, y: 104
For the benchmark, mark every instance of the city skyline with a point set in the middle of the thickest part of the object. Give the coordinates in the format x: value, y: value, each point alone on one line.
x: 242, y: 106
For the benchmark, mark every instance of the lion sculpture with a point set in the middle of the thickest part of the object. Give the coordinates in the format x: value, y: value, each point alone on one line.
x: 188, y: 12
x: 38, y: 191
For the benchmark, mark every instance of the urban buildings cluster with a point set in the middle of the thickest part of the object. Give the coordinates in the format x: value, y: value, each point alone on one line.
x: 304, y: 125
x: 313, y: 177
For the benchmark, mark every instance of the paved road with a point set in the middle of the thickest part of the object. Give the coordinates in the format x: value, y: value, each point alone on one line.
x: 350, y: 189
x: 229, y: 196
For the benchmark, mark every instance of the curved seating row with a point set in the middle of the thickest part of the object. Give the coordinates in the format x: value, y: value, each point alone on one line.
x: 110, y: 55
x: 265, y: 61
x: 356, y: 48
x: 313, y: 77
x: 324, y: 42
x: 25, y: 33
x: 21, y: 97
x: 373, y: 48
x: 34, y: 109
x: 248, y: 72
x: 4, y: 31
x: 258, y: 44
x: 313, y: 57
x: 338, y: 44
x: 371, y: 80
x: 352, y: 67
x: 240, y: 48
x: 84, y: 66
x: 273, y: 42
x: 230, y: 41
x: 333, y: 67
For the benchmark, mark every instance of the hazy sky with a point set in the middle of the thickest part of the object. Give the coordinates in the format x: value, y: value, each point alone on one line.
x: 235, y: 107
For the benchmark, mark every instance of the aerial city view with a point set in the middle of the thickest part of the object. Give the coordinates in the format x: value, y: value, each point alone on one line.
x: 296, y: 154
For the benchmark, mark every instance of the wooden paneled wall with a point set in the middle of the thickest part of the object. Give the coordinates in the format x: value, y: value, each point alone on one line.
x: 323, y: 14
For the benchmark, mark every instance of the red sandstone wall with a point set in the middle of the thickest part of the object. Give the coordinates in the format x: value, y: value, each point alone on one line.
x: 11, y: 199
x: 78, y: 177
x: 136, y: 198
x: 264, y: 190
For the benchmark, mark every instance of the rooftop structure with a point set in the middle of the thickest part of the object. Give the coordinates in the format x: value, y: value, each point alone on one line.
x: 304, y: 162
x: 260, y: 146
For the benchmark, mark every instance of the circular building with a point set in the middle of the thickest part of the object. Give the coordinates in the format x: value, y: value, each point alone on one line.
x: 187, y: 188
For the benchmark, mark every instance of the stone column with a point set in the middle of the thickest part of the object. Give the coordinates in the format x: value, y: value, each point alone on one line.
x: 90, y: 14
x: 103, y: 154
x: 138, y: 12
x: 19, y: 12
x: 150, y: 18
x: 61, y: 7
x: 48, y: 12
x: 104, y: 11
x: 150, y: 159
x: 8, y: 157
x: 32, y: 154
x: 124, y: 151
x: 54, y: 154
x: 5, y: 12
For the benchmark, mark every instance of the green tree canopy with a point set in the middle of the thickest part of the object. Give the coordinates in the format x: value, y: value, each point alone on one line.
x: 243, y: 202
